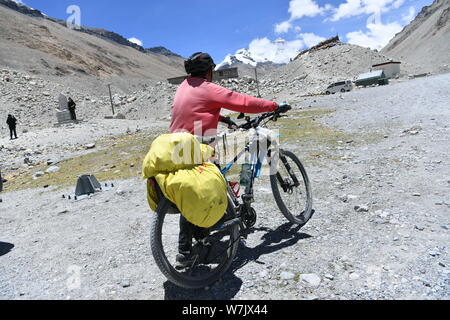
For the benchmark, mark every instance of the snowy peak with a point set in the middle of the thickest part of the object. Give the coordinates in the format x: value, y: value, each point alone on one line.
x: 242, y: 56
x: 246, y: 62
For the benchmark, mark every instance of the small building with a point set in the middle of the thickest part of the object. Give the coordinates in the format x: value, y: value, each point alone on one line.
x: 391, y: 69
x: 372, y: 78
x: 223, y: 74
x: 177, y: 80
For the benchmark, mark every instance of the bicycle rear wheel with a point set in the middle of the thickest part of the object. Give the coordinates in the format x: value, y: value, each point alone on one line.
x: 209, y: 262
x: 292, y: 190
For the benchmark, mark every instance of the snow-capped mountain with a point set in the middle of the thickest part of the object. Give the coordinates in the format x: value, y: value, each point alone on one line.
x: 241, y: 56
x: 246, y: 62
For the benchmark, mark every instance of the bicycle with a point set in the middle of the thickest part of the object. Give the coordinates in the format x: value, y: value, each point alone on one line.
x: 212, y: 257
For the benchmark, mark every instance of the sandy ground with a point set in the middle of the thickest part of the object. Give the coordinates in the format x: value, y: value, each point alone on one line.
x: 396, y: 165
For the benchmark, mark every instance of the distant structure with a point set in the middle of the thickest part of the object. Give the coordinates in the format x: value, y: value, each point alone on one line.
x: 223, y: 74
x: 177, y: 80
x: 323, y: 45
x: 391, y: 69
x: 230, y: 73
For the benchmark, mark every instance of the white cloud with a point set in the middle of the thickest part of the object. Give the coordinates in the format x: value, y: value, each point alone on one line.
x: 377, y: 36
x: 299, y: 9
x: 283, y: 27
x: 407, y: 18
x: 304, y: 8
x: 348, y: 9
x: 310, y: 39
x: 357, y: 7
x: 397, y: 4
x: 278, y: 51
x: 136, y: 41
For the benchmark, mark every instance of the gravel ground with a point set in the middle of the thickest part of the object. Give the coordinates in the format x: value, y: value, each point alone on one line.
x: 66, y: 141
x: 381, y: 228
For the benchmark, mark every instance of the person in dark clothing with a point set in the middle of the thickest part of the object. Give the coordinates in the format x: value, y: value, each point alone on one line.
x: 1, y: 185
x: 12, y: 123
x: 72, y: 107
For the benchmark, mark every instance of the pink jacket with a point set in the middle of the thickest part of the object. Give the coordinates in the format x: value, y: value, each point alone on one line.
x: 197, y: 105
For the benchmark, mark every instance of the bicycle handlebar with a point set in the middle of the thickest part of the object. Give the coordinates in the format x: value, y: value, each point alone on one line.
x: 272, y: 116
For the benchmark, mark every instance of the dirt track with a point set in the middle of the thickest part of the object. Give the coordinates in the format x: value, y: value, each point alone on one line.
x: 393, y: 160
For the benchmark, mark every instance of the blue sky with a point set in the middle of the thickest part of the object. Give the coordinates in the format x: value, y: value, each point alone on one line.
x: 223, y: 27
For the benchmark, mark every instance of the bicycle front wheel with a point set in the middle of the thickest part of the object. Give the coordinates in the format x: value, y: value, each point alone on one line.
x: 208, y: 262
x: 292, y: 190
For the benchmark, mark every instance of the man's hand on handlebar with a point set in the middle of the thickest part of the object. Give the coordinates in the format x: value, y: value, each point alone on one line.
x: 254, y: 123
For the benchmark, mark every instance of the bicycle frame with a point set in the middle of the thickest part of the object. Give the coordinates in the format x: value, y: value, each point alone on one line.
x: 257, y: 154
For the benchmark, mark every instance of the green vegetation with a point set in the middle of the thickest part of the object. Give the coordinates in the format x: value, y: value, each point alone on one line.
x: 119, y: 158
x: 304, y: 131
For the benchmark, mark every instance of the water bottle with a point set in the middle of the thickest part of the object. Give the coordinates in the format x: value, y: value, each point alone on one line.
x: 246, y: 175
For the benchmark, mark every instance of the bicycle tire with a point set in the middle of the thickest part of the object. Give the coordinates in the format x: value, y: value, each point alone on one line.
x: 303, y: 217
x: 179, y: 278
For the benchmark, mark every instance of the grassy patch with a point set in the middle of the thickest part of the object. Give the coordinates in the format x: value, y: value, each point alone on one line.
x: 303, y: 130
x: 303, y: 126
x: 118, y: 158
x: 316, y: 141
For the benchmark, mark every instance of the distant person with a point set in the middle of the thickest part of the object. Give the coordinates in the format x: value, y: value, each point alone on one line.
x: 72, y: 107
x: 12, y: 124
x: 1, y: 184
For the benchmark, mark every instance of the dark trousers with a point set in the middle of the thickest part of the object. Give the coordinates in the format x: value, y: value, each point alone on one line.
x: 187, y: 232
x: 73, y: 114
x: 12, y: 131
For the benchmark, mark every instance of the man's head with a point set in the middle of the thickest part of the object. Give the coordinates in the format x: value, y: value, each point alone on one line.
x: 201, y: 65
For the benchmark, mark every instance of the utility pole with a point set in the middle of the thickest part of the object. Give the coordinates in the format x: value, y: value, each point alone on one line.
x: 257, y: 83
x: 110, y: 97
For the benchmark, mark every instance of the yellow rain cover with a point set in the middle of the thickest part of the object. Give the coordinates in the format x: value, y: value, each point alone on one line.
x: 198, y: 189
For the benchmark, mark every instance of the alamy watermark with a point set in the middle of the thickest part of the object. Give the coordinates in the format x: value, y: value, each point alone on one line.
x: 73, y: 22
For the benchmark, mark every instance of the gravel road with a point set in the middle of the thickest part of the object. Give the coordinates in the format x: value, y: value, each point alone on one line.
x: 381, y: 228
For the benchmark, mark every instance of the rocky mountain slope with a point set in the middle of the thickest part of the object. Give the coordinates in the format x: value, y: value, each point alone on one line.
x: 32, y: 42
x: 425, y: 42
x: 163, y: 51
x: 311, y: 73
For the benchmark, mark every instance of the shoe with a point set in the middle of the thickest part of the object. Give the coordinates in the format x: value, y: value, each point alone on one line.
x: 183, y: 261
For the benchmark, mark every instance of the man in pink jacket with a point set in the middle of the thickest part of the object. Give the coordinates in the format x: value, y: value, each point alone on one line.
x: 196, y: 109
x: 198, y: 101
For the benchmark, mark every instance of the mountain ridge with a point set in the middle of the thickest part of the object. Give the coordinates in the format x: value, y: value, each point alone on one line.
x: 110, y: 35
x: 425, y: 42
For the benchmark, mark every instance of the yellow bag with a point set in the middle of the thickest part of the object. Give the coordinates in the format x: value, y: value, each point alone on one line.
x: 198, y: 190
x: 171, y: 152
